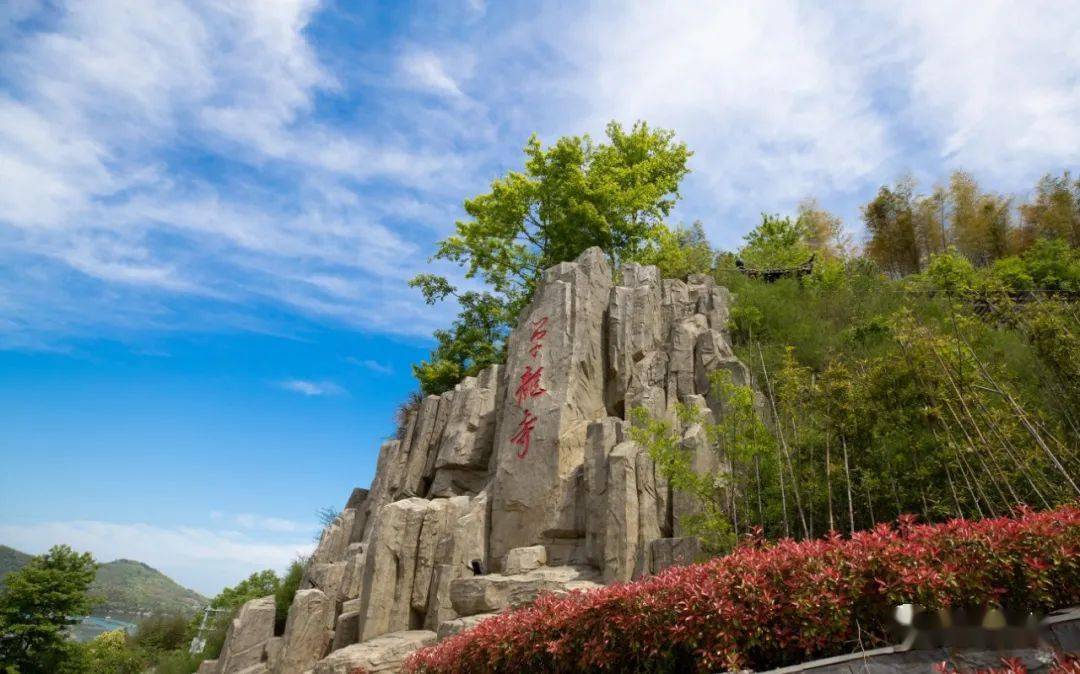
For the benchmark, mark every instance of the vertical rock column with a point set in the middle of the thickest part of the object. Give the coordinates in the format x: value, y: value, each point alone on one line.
x: 555, y: 387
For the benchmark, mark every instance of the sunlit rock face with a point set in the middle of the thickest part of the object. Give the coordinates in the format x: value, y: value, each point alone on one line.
x: 519, y: 481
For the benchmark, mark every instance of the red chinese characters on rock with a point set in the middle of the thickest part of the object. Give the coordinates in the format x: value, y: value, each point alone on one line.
x: 529, y: 387
x: 538, y: 333
x: 524, y: 433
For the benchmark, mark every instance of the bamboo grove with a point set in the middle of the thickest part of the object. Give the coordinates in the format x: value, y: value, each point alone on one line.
x: 944, y: 394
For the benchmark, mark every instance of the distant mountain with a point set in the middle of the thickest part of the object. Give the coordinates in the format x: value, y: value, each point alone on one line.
x: 11, y: 560
x: 126, y: 587
x: 132, y: 587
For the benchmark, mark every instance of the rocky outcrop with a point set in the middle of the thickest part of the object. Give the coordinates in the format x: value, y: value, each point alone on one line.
x: 555, y: 363
x: 521, y: 480
x: 383, y: 654
x: 247, y: 635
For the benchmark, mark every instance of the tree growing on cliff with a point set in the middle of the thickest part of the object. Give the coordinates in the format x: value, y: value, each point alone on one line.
x: 572, y: 195
x: 38, y: 604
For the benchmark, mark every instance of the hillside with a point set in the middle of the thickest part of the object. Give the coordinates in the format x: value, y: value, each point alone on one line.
x: 126, y: 587
x: 132, y: 587
x: 11, y: 560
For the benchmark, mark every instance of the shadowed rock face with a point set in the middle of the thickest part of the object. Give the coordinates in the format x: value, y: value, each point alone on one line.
x: 523, y: 473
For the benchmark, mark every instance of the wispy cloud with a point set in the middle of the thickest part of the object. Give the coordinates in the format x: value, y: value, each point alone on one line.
x: 373, y: 365
x: 203, y: 559
x: 312, y: 388
x: 230, y: 157
x: 426, y: 71
x: 253, y: 522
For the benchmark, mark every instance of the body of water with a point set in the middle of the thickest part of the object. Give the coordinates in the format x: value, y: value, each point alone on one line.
x: 93, y: 625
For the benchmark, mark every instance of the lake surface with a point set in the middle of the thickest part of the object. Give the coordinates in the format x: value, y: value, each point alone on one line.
x: 93, y: 625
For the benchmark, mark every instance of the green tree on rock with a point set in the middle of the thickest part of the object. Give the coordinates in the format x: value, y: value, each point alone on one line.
x: 571, y: 196
x: 37, y: 605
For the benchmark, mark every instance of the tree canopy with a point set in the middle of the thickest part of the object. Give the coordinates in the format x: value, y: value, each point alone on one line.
x: 572, y: 195
x: 38, y: 604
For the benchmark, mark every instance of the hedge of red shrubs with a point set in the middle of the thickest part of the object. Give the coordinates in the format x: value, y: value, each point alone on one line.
x: 769, y: 605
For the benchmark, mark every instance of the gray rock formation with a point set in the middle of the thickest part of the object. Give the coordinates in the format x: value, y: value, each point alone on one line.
x: 518, y: 482
x: 247, y: 635
x: 383, y: 654
x: 307, y: 632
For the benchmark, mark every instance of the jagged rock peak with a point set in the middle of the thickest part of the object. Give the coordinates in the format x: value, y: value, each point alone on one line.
x: 520, y: 480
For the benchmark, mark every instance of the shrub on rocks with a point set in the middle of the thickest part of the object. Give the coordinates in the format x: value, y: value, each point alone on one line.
x: 770, y: 605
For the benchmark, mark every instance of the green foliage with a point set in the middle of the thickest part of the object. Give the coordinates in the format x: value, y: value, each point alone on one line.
x: 109, y: 653
x: 1055, y: 211
x: 474, y: 340
x: 126, y: 586
x: 890, y: 219
x: 743, y: 447
x: 177, y: 662
x: 571, y: 196
x: 776, y: 242
x: 941, y: 394
x: 160, y: 633
x: 286, y: 590
x: 259, y: 584
x: 677, y: 252
x: 37, y: 605
x: 11, y: 560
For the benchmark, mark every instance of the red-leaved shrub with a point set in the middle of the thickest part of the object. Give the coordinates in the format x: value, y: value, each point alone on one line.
x: 768, y: 605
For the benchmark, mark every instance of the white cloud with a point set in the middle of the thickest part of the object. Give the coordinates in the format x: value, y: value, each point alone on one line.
x: 99, y: 101
x: 373, y: 365
x: 769, y: 95
x: 203, y: 559
x: 328, y: 214
x: 426, y: 71
x: 254, y: 522
x: 997, y: 83
x: 312, y: 388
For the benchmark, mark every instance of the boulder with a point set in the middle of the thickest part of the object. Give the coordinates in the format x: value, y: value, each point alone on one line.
x: 356, y: 499
x: 389, y: 567
x: 555, y: 387
x: 335, y: 539
x: 386, y: 653
x: 272, y: 652
x: 353, y: 577
x: 421, y: 444
x: 464, y: 541
x: 329, y: 578
x: 674, y: 305
x: 247, y: 635
x: 381, y: 484
x: 495, y: 592
x: 601, y: 438
x: 681, y: 366
x: 521, y: 560
x: 650, y: 510
x: 450, y: 482
x: 666, y: 552
x: 647, y: 385
x: 207, y: 667
x: 432, y: 529
x: 712, y: 352
x: 307, y: 632
x: 621, y: 513
x: 346, y: 630
x: 258, y: 668
x: 703, y: 460
x: 634, y: 329
x: 470, y: 426
x: 451, y: 627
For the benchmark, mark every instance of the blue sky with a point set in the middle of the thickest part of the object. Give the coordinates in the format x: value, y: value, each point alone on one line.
x: 209, y: 211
